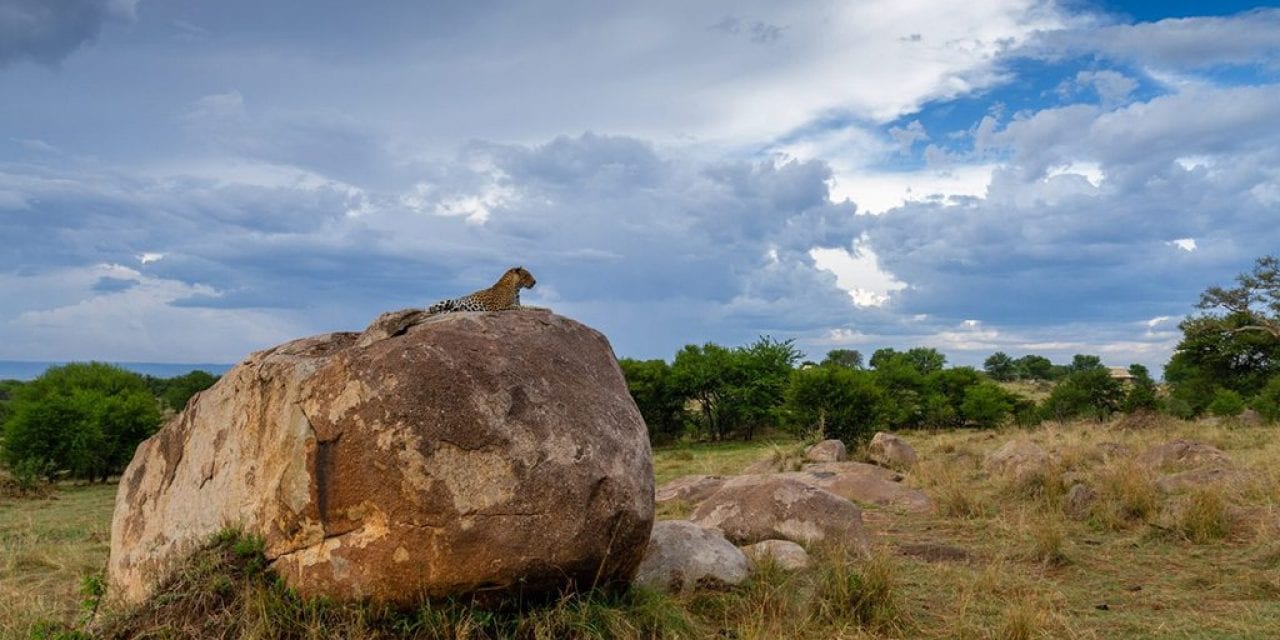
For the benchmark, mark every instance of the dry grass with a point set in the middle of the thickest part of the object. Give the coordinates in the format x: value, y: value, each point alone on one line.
x: 1204, y: 517
x: 1127, y: 495
x: 47, y: 547
x: 1199, y: 564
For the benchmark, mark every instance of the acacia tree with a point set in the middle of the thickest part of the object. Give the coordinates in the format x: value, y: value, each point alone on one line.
x: 848, y: 358
x: 1000, y: 367
x: 1236, y: 349
x: 1256, y: 297
x: 735, y: 390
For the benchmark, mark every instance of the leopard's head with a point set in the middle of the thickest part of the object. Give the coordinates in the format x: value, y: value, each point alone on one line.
x: 520, y: 277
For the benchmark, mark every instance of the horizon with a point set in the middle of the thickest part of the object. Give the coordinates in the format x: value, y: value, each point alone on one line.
x: 191, y: 183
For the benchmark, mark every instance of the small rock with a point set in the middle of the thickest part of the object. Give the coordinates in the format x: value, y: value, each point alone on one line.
x: 784, y: 553
x: 888, y: 450
x: 826, y: 451
x: 681, y: 555
x: 1018, y: 460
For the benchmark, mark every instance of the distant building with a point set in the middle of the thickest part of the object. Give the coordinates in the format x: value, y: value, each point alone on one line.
x: 1121, y: 373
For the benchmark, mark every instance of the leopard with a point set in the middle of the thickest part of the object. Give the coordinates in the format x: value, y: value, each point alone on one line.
x: 504, y: 295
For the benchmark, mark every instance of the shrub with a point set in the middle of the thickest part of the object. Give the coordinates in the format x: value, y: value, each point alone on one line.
x: 834, y: 402
x: 1087, y: 392
x: 1226, y: 403
x: 84, y: 419
x: 986, y: 405
x: 1267, y: 402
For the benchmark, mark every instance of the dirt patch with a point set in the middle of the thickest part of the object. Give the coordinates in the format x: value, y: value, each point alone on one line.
x: 935, y: 552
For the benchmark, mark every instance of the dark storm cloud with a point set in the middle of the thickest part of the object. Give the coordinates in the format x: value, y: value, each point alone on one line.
x: 46, y: 31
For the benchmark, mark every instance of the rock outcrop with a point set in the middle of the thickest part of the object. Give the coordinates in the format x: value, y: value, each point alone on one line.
x: 826, y: 451
x: 888, y: 450
x: 749, y: 509
x: 690, y: 489
x: 682, y: 555
x: 1183, y: 454
x: 865, y: 483
x: 494, y: 453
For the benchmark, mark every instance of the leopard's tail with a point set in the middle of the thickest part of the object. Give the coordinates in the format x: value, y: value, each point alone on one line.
x: 443, y: 306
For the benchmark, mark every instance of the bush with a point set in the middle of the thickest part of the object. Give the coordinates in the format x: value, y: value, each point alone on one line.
x: 986, y: 405
x: 736, y: 390
x: 834, y: 402
x: 1267, y: 402
x: 1088, y: 392
x: 1226, y: 404
x: 82, y: 419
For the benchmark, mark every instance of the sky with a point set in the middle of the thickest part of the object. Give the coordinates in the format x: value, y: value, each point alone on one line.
x: 190, y: 181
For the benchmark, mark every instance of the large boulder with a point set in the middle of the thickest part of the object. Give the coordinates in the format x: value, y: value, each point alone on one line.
x: 681, y: 555
x: 888, y: 450
x: 494, y: 453
x: 864, y: 483
x: 826, y: 451
x: 749, y: 509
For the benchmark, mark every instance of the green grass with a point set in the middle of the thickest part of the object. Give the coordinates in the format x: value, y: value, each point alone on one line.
x: 1183, y: 566
x: 47, y: 548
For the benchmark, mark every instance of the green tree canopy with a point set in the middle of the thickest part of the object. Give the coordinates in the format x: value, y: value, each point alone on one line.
x: 848, y: 358
x: 1000, y: 367
x: 736, y: 390
x: 654, y: 391
x: 176, y: 391
x: 85, y: 419
x: 835, y: 402
x: 1233, y: 345
x: 1034, y: 367
x: 1090, y: 392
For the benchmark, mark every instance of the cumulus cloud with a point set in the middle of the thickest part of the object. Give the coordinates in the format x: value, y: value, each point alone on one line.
x: 1251, y: 37
x: 620, y: 229
x: 46, y: 32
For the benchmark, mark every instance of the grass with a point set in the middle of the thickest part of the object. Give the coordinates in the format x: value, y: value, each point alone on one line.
x: 1203, y: 563
x: 47, y: 548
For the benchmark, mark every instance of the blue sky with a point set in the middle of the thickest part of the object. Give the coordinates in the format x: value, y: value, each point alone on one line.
x: 188, y: 181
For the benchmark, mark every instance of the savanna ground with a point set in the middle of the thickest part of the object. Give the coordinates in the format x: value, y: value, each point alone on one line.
x: 1004, y: 559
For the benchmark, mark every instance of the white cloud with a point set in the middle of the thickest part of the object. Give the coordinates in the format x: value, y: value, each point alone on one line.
x: 1186, y: 244
x: 1090, y: 171
x: 149, y: 257
x: 878, y: 191
x: 858, y: 272
x: 137, y: 323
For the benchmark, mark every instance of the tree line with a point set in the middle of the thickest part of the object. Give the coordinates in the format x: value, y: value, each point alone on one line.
x: 1227, y: 361
x: 716, y: 393
x: 84, y: 420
